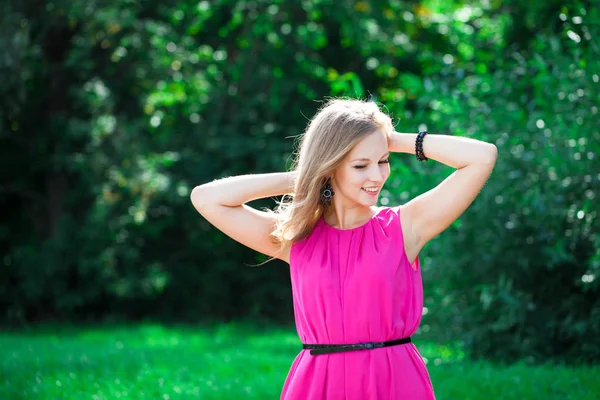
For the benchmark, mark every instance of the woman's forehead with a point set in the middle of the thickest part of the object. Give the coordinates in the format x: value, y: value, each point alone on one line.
x: 371, y: 147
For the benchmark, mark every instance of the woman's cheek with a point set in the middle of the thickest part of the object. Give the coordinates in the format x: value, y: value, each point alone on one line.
x: 388, y: 171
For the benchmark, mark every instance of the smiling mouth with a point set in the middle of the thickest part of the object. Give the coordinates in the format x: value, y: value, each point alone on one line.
x: 371, y: 191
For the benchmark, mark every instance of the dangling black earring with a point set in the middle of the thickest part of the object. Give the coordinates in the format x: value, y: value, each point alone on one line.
x: 326, y: 194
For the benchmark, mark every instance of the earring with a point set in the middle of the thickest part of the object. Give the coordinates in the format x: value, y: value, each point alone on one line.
x: 326, y: 194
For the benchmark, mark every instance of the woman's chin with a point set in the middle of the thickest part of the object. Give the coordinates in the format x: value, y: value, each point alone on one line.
x: 369, y: 200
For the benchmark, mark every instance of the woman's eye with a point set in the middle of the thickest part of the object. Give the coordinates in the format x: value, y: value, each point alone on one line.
x: 380, y: 162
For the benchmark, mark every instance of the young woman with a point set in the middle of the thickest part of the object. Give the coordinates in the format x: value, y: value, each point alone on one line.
x: 354, y: 267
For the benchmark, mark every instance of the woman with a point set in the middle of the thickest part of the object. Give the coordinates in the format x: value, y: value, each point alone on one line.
x: 354, y: 267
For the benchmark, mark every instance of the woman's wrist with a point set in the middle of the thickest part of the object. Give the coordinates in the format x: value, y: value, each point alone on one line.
x: 402, y: 142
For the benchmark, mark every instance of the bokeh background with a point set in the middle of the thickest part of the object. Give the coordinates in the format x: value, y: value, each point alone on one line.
x: 112, y: 285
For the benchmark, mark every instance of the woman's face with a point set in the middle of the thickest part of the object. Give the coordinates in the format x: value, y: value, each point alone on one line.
x: 362, y: 173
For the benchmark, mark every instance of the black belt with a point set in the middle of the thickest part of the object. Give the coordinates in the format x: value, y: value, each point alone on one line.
x: 335, y: 348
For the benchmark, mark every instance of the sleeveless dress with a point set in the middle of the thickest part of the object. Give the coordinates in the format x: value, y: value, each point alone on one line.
x: 352, y: 286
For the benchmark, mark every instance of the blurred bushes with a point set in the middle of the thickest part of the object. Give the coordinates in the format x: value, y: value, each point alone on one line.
x: 519, y: 276
x: 111, y: 114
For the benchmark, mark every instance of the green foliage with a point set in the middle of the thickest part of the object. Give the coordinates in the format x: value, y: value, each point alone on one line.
x: 112, y: 112
x: 524, y: 282
x: 233, y: 361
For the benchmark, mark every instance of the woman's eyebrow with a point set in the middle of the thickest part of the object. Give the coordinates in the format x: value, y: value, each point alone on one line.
x: 366, y: 159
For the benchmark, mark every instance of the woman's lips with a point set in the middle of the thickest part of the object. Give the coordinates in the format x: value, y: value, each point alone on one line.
x: 375, y: 193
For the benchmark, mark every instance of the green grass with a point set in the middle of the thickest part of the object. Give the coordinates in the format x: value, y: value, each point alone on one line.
x: 232, y: 362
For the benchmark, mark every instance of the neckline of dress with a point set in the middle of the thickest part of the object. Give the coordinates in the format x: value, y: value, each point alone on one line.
x: 355, y: 228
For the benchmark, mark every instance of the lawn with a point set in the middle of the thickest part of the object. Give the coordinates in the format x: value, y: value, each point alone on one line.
x: 232, y: 362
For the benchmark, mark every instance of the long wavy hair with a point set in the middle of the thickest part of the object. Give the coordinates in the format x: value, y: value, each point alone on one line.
x: 330, y: 135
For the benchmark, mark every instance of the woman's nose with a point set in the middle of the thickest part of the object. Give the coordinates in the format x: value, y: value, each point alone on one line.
x: 376, y: 176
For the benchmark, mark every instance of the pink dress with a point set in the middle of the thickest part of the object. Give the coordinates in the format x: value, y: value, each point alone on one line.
x: 353, y: 286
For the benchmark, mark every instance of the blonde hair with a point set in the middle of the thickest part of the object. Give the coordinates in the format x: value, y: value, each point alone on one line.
x: 335, y: 129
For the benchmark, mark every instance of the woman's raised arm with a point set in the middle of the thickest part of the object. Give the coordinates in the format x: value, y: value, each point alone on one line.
x: 222, y: 203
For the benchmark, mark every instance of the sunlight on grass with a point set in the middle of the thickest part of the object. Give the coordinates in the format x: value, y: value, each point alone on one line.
x: 231, y: 361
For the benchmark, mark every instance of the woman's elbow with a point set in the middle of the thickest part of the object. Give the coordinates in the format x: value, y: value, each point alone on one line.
x: 198, y: 197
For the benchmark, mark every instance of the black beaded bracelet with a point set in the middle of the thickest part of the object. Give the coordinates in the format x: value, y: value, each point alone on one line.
x: 419, y: 146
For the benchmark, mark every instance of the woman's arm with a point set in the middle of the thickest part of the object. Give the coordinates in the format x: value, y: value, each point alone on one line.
x: 430, y: 213
x: 222, y: 203
x: 237, y: 190
x: 454, y: 151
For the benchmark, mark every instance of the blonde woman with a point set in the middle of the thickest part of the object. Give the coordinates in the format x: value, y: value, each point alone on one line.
x: 354, y: 267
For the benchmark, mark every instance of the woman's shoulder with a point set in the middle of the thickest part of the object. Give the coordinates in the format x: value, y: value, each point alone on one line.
x: 404, y: 221
x: 388, y: 212
x: 391, y: 209
x: 396, y: 217
x: 399, y: 211
x: 310, y: 239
